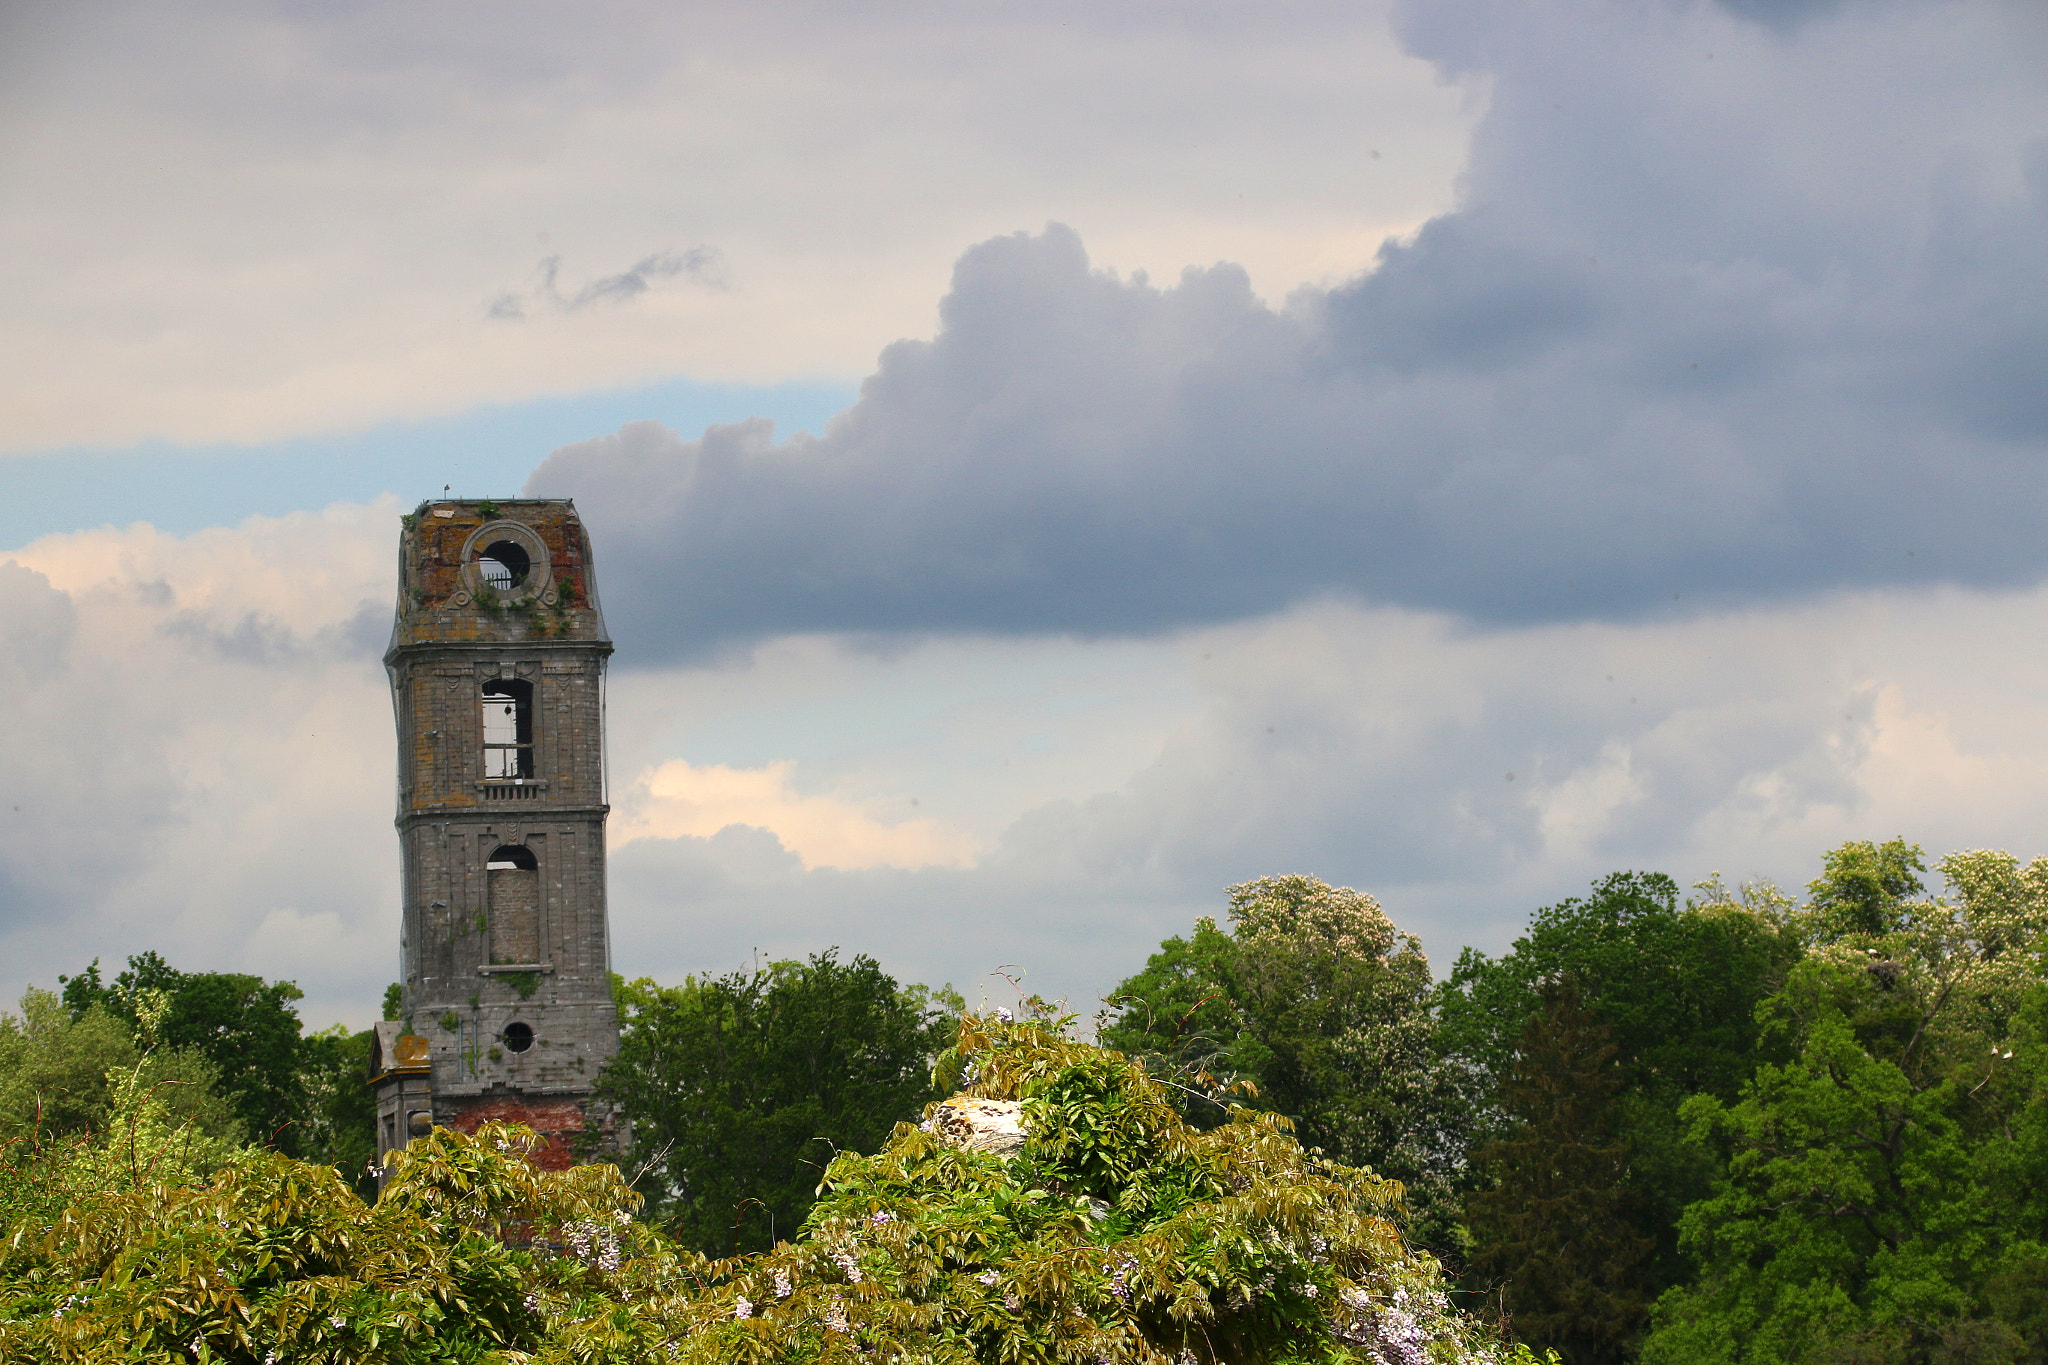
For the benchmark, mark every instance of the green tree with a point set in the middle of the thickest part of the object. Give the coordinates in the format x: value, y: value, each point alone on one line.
x: 59, y: 1074
x: 740, y: 1088
x: 87, y: 1106
x: 1551, y: 1221
x: 1327, y: 1010
x: 1677, y: 986
x: 1864, y: 889
x: 247, y: 1027
x: 1883, y: 1200
x: 1229, y: 1244
x: 339, y: 1125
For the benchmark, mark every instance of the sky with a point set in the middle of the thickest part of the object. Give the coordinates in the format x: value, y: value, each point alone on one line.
x: 1046, y: 464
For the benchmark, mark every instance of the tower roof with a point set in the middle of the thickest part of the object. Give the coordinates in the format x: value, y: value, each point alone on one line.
x: 495, y: 571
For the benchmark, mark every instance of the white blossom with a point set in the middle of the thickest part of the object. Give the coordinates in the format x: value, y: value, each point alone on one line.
x: 743, y: 1307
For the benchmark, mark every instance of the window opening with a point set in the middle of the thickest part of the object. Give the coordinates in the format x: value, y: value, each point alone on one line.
x: 508, y: 728
x: 512, y: 873
x: 507, y: 856
x: 518, y: 1036
x: 504, y: 564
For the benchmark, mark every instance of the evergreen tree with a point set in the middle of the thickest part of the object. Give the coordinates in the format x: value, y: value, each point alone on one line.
x: 1678, y: 986
x: 1552, y: 1226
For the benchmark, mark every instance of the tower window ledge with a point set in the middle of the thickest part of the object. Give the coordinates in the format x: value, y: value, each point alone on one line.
x: 502, y: 968
x: 513, y: 789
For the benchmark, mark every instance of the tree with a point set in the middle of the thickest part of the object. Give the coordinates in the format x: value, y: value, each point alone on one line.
x: 1883, y: 1200
x: 1316, y: 999
x: 244, y: 1025
x: 1551, y: 1224
x: 741, y: 1088
x: 1677, y: 987
x: 1864, y: 889
x: 1231, y: 1244
x: 339, y: 1125
x: 86, y: 1106
x: 59, y: 1074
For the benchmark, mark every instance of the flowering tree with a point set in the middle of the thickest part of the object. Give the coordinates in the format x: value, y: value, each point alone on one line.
x: 1315, y: 998
x: 1114, y: 1233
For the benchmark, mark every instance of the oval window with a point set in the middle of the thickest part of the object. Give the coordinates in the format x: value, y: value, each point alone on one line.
x: 518, y: 1036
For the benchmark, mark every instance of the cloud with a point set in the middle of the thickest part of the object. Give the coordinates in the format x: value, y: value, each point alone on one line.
x: 1464, y: 778
x: 200, y: 762
x: 186, y: 768
x: 701, y: 265
x: 1731, y: 313
x: 677, y: 800
x: 337, y: 194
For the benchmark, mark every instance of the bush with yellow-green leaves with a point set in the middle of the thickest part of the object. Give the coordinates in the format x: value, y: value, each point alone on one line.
x: 1117, y: 1233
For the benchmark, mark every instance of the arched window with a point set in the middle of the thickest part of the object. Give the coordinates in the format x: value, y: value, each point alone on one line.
x: 508, y: 856
x: 508, y: 728
x: 514, y: 875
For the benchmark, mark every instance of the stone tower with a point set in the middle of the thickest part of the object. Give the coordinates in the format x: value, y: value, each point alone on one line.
x: 497, y: 664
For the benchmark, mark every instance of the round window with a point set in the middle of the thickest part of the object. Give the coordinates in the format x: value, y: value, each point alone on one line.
x: 507, y: 560
x: 504, y: 564
x: 518, y: 1036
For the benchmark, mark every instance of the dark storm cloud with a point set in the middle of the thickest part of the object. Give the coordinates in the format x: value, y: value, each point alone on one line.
x: 1733, y: 311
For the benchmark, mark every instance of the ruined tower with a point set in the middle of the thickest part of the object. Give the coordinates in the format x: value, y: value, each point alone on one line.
x: 497, y: 663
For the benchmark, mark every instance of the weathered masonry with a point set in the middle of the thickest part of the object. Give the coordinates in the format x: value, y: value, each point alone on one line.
x: 497, y: 663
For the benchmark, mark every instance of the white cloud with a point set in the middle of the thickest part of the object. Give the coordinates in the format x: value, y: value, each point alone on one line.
x: 197, y: 765
x: 678, y: 800
x: 201, y: 753
x: 1374, y: 747
x: 1687, y: 342
x: 253, y: 220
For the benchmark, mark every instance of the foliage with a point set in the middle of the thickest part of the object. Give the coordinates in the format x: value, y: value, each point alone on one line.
x: 242, y: 1024
x: 71, y: 1135
x: 741, y: 1088
x: 59, y: 1076
x: 1551, y: 1223
x: 1230, y: 1244
x: 1677, y: 988
x: 339, y: 1125
x: 274, y: 1259
x: 1883, y: 1199
x: 1119, y: 1233
x: 1327, y: 1010
x: 1863, y: 889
